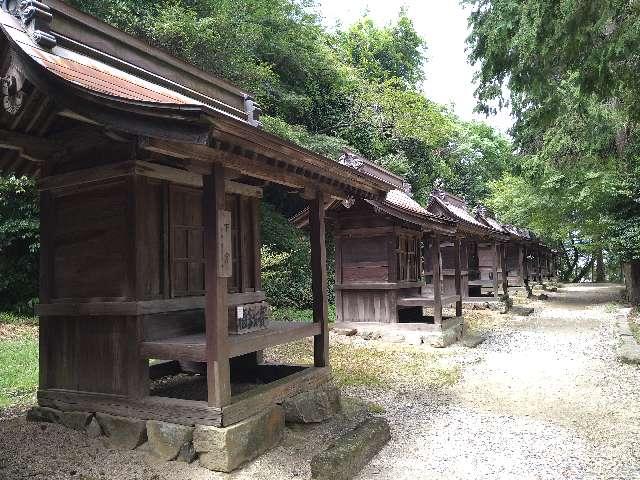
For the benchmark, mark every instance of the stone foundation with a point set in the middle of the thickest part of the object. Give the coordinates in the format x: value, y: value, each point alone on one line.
x: 222, y: 449
x: 448, y: 333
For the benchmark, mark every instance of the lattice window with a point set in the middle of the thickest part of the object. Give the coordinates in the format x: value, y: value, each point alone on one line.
x: 187, y: 242
x: 408, y: 258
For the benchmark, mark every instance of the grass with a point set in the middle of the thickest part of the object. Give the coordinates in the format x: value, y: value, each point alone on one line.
x: 18, y: 359
x: 611, y: 307
x: 376, y: 364
x: 299, y: 315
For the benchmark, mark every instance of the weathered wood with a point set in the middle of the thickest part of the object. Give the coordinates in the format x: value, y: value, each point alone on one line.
x: 193, y: 347
x: 505, y: 271
x: 184, y: 412
x: 319, y: 280
x: 89, y: 308
x: 257, y: 244
x: 242, y: 189
x: 496, y: 260
x: 88, y: 175
x: 31, y: 147
x: 427, y: 301
x: 255, y: 400
x: 217, y: 355
x: 458, y: 275
x: 437, y: 295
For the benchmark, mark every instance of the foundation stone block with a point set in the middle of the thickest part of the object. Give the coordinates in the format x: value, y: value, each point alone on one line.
x: 166, y: 440
x: 314, y: 406
x: 122, y: 433
x: 93, y: 430
x: 350, y: 453
x: 76, y: 420
x: 225, y: 449
x: 44, y: 414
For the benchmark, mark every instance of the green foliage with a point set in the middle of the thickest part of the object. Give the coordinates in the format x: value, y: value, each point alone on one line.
x: 286, y: 262
x: 19, y: 243
x: 323, y: 90
x: 381, y: 54
x: 573, y: 90
x: 299, y: 315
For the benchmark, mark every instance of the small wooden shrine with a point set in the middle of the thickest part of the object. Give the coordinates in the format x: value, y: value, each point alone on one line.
x: 389, y: 263
x: 151, y: 175
x: 481, y: 246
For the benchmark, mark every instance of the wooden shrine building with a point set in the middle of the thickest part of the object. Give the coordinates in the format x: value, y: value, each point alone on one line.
x: 151, y: 175
x: 386, y: 251
x: 481, y: 246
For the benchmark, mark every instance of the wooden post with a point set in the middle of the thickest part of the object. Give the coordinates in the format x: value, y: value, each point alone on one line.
x: 458, y: 272
x: 496, y: 259
x: 521, y: 261
x: 505, y: 271
x: 437, y: 294
x: 216, y: 234
x: 338, y: 279
x: 319, y: 280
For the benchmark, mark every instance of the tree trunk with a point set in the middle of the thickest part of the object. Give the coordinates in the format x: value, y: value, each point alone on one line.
x: 600, y: 274
x: 631, y: 272
x: 584, y: 271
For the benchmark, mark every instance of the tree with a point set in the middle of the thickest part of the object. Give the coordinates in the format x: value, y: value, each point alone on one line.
x: 381, y: 54
x: 568, y: 68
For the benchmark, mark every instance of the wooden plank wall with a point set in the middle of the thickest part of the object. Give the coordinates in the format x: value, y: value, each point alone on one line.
x: 369, y: 306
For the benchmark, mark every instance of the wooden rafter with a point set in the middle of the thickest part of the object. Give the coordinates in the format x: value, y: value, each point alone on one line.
x: 35, y: 149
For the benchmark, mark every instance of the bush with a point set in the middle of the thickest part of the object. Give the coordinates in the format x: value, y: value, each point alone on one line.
x: 19, y: 244
x: 286, y: 262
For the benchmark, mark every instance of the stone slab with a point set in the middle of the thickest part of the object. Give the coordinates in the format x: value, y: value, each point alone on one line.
x: 348, y: 332
x: 472, y: 341
x: 225, y: 449
x: 629, y: 351
x: 93, y: 430
x: 351, y: 452
x: 44, y: 414
x: 521, y: 311
x: 76, y: 420
x: 187, y: 453
x: 165, y: 440
x: 122, y: 433
x: 313, y: 406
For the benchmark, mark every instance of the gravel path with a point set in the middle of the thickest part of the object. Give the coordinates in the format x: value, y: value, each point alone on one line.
x: 542, y: 398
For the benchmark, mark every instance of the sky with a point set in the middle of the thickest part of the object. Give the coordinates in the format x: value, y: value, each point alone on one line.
x: 443, y: 24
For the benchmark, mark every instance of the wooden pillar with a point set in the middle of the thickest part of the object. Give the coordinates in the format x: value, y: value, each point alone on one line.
x: 496, y: 259
x: 458, y: 273
x: 217, y: 241
x: 437, y: 294
x: 521, y: 261
x: 505, y: 270
x: 338, y: 281
x: 319, y: 280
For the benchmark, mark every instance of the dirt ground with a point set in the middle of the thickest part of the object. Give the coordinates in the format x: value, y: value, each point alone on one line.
x: 542, y: 398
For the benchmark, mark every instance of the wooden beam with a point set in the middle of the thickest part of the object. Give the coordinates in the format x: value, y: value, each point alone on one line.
x: 458, y: 275
x: 319, y: 280
x: 437, y: 293
x: 216, y: 315
x: 88, y: 175
x: 242, y: 189
x: 252, y: 165
x: 36, y: 149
